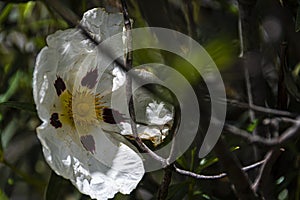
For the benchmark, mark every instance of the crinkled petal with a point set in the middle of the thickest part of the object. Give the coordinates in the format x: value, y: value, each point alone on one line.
x: 158, y: 114
x: 156, y: 134
x: 153, y: 118
x: 113, y: 167
x: 91, y: 176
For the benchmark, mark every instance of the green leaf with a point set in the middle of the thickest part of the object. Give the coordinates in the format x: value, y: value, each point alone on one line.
x: 234, y: 148
x: 298, y: 20
x: 5, y: 12
x: 182, y: 162
x: 206, y: 162
x: 193, y: 153
x: 8, y: 133
x: 252, y: 126
x: 28, y: 8
x: 120, y: 196
x: 222, y: 51
x: 55, y: 184
x: 283, y: 195
x: 60, y: 188
x: 3, y: 195
x: 14, y: 83
x: 19, y: 105
x: 178, y: 191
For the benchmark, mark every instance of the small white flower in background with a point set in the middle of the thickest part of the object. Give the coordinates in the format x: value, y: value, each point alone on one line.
x: 158, y: 118
x: 81, y: 133
x: 158, y: 114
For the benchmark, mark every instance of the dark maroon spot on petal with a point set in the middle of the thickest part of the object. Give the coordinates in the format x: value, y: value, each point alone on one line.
x: 59, y: 86
x: 88, y: 143
x: 54, y: 121
x: 90, y: 79
x: 112, y: 116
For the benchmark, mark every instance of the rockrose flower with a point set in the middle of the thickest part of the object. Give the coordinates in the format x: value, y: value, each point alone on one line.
x: 81, y: 134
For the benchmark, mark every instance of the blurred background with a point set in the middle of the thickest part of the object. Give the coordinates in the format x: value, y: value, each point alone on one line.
x: 24, y: 26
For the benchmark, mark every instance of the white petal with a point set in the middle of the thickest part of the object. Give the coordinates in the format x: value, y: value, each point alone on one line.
x: 101, y: 23
x: 158, y: 114
x: 86, y: 172
x: 114, y: 167
x: 154, y: 133
x: 119, y: 78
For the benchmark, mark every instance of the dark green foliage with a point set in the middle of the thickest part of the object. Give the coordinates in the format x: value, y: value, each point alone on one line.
x: 24, y: 26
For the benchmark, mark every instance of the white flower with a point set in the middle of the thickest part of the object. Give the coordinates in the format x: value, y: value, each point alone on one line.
x: 158, y: 114
x: 158, y: 120
x: 72, y: 100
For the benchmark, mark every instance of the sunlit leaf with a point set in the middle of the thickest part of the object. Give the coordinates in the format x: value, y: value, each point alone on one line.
x: 3, y: 195
x: 222, y: 51
x: 283, y: 195
x: 28, y: 9
x: 252, y: 126
x: 280, y: 180
x: 205, y: 196
x: 206, y: 162
x: 5, y: 12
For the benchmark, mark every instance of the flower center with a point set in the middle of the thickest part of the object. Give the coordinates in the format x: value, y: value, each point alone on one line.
x: 82, y: 108
x: 86, y: 107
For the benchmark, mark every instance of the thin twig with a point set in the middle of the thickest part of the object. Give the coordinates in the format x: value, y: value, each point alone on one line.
x: 251, y: 112
x: 128, y: 66
x: 237, y: 176
x: 212, y: 177
x: 261, y: 109
x: 164, y: 187
x: 163, y: 191
x: 265, y: 170
x: 286, y: 120
x: 264, y: 178
x: 274, y: 124
x: 249, y: 40
x: 282, y: 98
x: 174, y: 130
x: 249, y: 94
x: 156, y: 157
x: 127, y: 22
x: 286, y: 136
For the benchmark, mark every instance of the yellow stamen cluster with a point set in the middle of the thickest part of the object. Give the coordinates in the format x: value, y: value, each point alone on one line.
x: 82, y: 108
